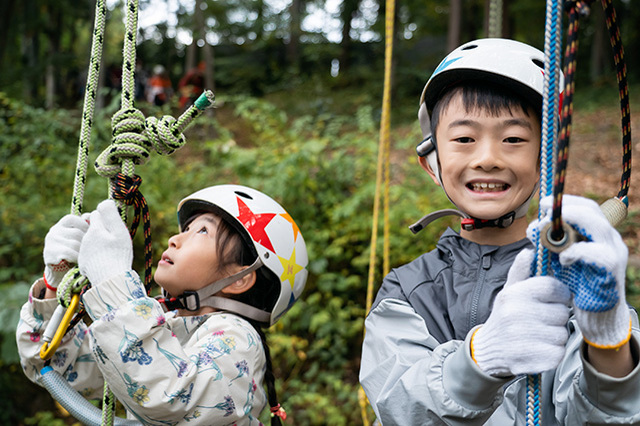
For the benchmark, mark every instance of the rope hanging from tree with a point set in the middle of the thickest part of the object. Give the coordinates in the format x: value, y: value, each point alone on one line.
x: 133, y: 138
x: 382, y: 172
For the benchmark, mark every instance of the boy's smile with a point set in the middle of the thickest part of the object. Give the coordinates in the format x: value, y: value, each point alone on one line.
x: 488, y: 163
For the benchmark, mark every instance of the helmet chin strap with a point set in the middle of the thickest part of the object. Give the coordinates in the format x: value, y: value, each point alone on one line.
x: 194, y: 300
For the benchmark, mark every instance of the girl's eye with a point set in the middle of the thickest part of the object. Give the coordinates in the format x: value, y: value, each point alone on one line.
x: 202, y: 230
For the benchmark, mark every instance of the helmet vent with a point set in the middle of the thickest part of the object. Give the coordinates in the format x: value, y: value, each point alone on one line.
x: 469, y: 47
x: 243, y: 195
x: 538, y: 63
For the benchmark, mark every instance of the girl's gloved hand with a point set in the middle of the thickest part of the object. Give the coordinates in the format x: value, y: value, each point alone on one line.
x: 526, y: 332
x: 594, y: 270
x: 61, y: 246
x: 106, y: 249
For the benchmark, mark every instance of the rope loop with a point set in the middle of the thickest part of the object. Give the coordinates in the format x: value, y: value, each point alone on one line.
x: 127, y: 189
x: 163, y: 135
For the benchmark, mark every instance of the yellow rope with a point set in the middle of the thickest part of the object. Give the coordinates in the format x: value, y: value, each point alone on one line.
x: 382, y: 171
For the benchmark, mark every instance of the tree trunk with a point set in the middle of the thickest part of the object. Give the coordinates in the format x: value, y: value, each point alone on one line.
x: 348, y: 12
x: 29, y: 52
x: 293, y: 48
x: 54, y: 30
x: 6, y: 16
x: 455, y: 18
x: 600, y: 45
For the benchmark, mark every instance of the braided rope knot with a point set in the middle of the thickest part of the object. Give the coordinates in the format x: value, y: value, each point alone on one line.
x: 134, y: 136
x: 129, y: 142
x: 72, y: 282
x: 165, y: 137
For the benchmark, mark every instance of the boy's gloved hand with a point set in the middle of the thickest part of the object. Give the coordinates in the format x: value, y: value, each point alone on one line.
x: 526, y: 332
x: 106, y: 249
x: 594, y: 270
x: 61, y: 246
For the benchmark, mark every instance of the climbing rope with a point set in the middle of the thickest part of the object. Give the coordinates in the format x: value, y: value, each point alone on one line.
x: 550, y: 106
x: 133, y: 137
x: 382, y: 172
x: 615, y: 208
x: 558, y: 236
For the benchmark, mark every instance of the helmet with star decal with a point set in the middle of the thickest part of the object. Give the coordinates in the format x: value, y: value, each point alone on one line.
x: 268, y: 231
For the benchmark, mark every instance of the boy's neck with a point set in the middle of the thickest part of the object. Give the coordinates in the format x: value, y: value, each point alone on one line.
x: 498, y: 236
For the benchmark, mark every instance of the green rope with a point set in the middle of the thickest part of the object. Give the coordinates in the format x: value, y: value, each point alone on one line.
x: 90, y: 94
x: 133, y: 137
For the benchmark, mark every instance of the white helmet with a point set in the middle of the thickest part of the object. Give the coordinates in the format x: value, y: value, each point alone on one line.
x: 268, y: 230
x: 506, y: 63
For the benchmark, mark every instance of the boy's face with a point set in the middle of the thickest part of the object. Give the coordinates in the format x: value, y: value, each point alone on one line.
x: 489, y: 165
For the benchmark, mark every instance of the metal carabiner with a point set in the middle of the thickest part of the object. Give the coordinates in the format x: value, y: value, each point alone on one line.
x: 49, y: 348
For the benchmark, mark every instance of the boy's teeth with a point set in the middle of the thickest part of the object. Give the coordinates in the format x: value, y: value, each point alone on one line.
x: 484, y: 186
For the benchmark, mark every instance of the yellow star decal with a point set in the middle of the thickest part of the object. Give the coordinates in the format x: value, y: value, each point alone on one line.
x: 291, y: 268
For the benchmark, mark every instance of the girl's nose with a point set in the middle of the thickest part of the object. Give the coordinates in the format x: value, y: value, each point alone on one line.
x: 174, y: 241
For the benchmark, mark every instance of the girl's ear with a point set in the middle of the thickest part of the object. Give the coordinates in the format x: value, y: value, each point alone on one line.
x: 425, y: 165
x: 241, y: 285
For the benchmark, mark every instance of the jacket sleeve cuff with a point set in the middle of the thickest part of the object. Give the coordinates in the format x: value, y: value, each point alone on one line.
x: 43, y: 307
x: 113, y: 293
x: 467, y: 383
x: 611, y: 394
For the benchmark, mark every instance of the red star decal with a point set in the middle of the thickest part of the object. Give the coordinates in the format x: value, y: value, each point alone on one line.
x: 255, y: 223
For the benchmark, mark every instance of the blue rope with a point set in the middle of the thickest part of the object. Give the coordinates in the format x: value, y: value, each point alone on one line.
x: 550, y: 108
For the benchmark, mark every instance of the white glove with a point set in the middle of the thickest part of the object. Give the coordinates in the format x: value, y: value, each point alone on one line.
x: 526, y: 331
x: 106, y: 249
x: 594, y: 270
x: 61, y: 246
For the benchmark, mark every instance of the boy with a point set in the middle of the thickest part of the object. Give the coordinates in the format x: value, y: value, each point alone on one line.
x: 448, y: 342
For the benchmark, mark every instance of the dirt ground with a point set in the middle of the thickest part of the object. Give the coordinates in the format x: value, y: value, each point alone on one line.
x: 595, y: 165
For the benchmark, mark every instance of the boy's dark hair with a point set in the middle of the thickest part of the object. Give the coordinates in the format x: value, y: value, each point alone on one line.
x: 481, y: 95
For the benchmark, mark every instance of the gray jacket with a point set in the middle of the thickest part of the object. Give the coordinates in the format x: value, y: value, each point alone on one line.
x: 414, y: 368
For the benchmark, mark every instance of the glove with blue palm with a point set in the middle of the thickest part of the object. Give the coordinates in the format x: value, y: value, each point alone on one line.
x: 594, y: 270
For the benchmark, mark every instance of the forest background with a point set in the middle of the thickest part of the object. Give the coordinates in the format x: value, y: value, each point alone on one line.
x: 299, y: 94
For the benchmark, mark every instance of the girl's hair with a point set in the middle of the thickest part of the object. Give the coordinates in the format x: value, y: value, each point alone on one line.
x: 484, y: 96
x: 231, y: 249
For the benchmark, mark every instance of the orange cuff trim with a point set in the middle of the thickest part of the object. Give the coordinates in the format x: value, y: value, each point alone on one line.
x: 471, y: 346
x: 617, y: 346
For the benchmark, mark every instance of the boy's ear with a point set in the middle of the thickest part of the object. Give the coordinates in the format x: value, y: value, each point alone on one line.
x: 427, y: 167
x: 241, y: 285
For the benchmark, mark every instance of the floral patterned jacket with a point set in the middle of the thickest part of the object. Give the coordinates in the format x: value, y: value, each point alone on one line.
x: 165, y: 369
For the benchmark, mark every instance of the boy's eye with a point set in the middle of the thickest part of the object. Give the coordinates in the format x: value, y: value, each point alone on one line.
x: 514, y: 139
x: 464, y: 139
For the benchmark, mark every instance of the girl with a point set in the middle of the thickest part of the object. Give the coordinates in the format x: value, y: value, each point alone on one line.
x: 197, y: 354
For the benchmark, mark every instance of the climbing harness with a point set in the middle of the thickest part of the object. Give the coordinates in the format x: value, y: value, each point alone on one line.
x: 133, y: 138
x: 558, y: 236
x: 382, y: 172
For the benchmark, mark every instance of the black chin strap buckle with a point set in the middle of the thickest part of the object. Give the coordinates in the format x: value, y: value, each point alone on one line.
x: 469, y: 224
x: 188, y: 300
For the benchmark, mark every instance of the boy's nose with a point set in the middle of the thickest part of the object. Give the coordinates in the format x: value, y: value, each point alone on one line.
x: 488, y: 156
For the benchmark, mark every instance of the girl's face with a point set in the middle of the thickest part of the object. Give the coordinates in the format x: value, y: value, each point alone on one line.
x: 191, y: 260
